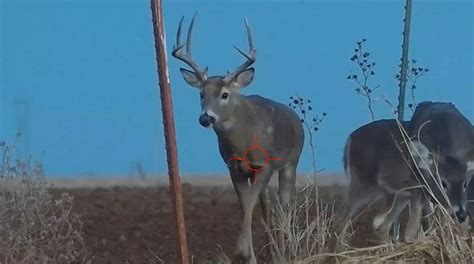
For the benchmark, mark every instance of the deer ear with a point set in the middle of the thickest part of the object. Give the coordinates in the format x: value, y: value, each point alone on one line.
x: 191, y: 78
x: 421, y: 154
x: 242, y: 79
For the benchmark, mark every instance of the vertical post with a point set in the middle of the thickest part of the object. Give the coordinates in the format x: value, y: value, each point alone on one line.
x: 169, y: 130
x: 395, y: 229
x: 404, y: 60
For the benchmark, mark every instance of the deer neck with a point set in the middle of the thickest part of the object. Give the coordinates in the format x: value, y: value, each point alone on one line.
x: 236, y: 128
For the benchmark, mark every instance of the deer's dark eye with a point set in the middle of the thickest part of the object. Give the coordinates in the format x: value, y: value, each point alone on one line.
x: 225, y: 96
x: 465, y: 184
x: 201, y: 96
x: 444, y: 184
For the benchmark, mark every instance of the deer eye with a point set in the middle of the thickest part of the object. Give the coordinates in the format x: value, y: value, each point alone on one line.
x: 444, y: 184
x: 465, y: 184
x: 201, y: 96
x: 225, y: 95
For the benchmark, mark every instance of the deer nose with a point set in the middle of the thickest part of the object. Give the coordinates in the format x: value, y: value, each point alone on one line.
x: 206, y: 120
x: 461, y: 215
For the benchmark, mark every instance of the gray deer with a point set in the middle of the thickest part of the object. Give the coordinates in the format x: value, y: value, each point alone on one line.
x: 445, y: 132
x: 239, y: 121
x: 377, y: 158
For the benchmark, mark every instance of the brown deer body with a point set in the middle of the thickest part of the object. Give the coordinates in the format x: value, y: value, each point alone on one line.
x: 240, y: 123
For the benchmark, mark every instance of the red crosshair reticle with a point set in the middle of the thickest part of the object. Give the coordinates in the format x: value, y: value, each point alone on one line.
x: 255, y: 147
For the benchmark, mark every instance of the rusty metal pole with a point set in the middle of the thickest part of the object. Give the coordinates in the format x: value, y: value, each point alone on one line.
x: 169, y: 130
x: 404, y: 60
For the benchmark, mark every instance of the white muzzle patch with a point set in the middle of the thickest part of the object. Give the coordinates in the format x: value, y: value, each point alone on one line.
x: 211, y: 114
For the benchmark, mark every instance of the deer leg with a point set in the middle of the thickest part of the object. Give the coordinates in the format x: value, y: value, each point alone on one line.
x: 248, y: 196
x: 286, y: 189
x: 358, y: 200
x: 242, y: 188
x: 403, y: 221
x: 395, y: 229
x: 286, y: 184
x: 241, y: 185
x: 383, y: 222
x: 426, y: 211
x: 265, y: 205
x: 267, y: 218
x: 414, y: 218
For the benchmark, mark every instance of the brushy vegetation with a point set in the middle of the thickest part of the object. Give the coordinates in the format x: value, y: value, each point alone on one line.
x: 34, y: 228
x: 414, y: 73
x: 310, y: 120
x: 366, y: 67
x: 365, y: 73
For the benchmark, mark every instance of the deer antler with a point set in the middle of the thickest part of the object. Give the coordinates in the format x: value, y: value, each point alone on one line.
x: 250, y: 56
x: 186, y: 57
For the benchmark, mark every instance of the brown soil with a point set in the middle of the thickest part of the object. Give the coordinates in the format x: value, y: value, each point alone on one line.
x: 135, y: 225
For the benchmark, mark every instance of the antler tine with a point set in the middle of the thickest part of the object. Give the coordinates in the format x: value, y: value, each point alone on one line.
x: 186, y: 56
x: 250, y: 56
x: 249, y: 36
x: 178, y: 36
x: 190, y: 32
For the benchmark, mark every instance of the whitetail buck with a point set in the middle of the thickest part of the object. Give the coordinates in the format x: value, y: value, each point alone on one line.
x: 381, y: 166
x: 238, y: 121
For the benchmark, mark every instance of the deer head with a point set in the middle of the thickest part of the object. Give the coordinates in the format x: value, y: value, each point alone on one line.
x: 219, y: 94
x: 454, y: 172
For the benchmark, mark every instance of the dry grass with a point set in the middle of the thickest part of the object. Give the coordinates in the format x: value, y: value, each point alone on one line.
x: 308, y: 232
x: 33, y: 227
x: 304, y: 228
